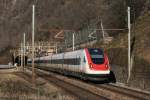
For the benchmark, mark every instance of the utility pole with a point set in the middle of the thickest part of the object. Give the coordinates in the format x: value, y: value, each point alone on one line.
x: 33, y: 70
x: 21, y: 56
x: 14, y: 55
x: 129, y: 45
x: 73, y: 41
x: 103, y: 33
x: 24, y: 50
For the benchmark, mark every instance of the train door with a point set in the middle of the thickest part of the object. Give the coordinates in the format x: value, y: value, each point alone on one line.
x: 83, y: 62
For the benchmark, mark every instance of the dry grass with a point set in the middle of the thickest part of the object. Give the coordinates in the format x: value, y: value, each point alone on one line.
x: 18, y: 90
x: 13, y: 87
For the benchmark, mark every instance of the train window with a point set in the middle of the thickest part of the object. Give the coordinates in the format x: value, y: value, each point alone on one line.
x: 73, y: 61
x: 97, y: 56
x: 49, y: 61
x: 56, y: 61
x: 78, y: 61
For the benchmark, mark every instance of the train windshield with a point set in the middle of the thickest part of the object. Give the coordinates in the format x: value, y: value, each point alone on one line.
x: 97, y: 56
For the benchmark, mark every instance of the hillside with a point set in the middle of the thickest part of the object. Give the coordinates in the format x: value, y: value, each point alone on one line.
x: 55, y: 15
x: 142, y: 37
x: 16, y: 16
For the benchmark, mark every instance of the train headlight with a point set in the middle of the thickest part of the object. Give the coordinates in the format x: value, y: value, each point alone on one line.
x: 90, y: 65
x: 107, y: 66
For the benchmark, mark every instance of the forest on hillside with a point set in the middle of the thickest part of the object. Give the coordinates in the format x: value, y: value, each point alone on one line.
x: 53, y: 16
x: 15, y: 16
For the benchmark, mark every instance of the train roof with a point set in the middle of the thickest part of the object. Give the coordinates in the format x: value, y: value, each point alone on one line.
x: 69, y: 54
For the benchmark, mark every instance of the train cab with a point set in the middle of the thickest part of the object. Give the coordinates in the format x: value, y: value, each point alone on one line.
x: 97, y: 63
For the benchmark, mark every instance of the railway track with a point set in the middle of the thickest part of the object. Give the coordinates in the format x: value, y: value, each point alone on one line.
x: 139, y: 95
x: 78, y: 91
x: 75, y: 90
x: 92, y: 91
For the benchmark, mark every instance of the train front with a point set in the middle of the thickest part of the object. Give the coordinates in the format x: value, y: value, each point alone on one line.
x: 97, y: 64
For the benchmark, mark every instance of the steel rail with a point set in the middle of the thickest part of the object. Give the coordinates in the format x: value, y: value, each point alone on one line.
x: 109, y: 89
x: 126, y: 91
x: 76, y: 90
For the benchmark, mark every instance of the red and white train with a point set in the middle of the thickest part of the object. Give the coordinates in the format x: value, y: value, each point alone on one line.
x: 88, y: 63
